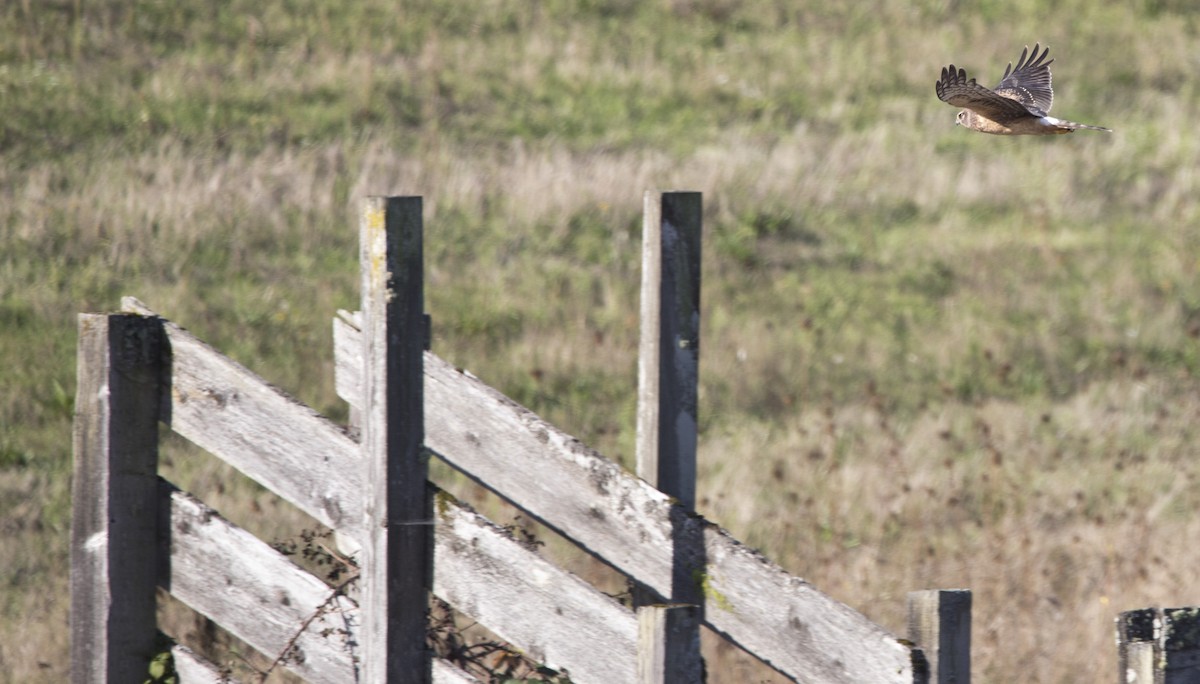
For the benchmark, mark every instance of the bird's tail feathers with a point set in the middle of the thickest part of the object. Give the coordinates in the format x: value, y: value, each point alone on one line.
x: 1071, y: 125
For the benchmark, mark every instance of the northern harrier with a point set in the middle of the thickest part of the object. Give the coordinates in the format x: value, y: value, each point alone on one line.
x: 1018, y: 106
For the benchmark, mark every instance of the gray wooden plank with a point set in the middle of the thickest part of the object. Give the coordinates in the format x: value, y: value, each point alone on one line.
x: 465, y: 588
x: 630, y: 525
x: 231, y: 412
x: 577, y: 491
x: 792, y: 626
x: 219, y: 570
x: 254, y: 592
x: 114, y: 494
x: 553, y: 616
x: 192, y: 668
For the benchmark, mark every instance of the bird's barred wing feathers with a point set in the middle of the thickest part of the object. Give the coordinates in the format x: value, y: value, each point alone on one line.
x: 954, y: 88
x: 1029, y: 82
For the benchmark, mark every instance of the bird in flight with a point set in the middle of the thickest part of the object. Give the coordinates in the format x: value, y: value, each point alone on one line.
x: 1018, y: 106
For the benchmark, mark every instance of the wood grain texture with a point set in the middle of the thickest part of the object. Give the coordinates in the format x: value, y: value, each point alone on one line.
x: 627, y: 523
x: 668, y: 379
x: 114, y: 493
x: 791, y: 625
x: 397, y: 554
x: 192, y: 668
x: 939, y: 621
x: 220, y: 570
x: 630, y: 524
x: 555, y: 617
x: 650, y: 343
x: 538, y: 628
x: 669, y: 645
x: 498, y: 442
x: 231, y: 412
x: 253, y: 591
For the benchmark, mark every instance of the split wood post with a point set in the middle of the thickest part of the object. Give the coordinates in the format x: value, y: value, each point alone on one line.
x: 114, y: 525
x: 662, y: 629
x: 668, y: 374
x: 939, y: 621
x: 397, y: 552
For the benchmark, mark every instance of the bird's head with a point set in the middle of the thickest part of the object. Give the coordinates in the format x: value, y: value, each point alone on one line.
x: 961, y: 119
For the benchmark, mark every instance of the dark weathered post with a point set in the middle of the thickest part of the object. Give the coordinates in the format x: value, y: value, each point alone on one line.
x: 668, y: 375
x: 1181, y: 645
x: 939, y: 621
x: 397, y: 545
x: 668, y: 644
x: 114, y: 524
x: 669, y: 354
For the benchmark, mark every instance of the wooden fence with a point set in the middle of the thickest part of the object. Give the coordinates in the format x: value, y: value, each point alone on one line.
x: 1159, y: 646
x: 132, y: 531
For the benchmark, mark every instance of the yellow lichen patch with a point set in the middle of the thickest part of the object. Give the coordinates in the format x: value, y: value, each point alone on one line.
x: 443, y: 501
x: 704, y: 581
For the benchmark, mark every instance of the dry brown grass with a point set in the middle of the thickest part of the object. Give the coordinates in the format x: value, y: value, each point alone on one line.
x: 1056, y: 516
x: 1051, y: 511
x: 930, y: 359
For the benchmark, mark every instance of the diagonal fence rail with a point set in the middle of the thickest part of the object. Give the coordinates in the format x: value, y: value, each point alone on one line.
x: 133, y: 531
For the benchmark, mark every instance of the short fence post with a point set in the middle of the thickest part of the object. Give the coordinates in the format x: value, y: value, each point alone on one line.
x: 398, y: 545
x: 114, y: 526
x: 667, y: 651
x: 1159, y: 646
x: 1181, y: 645
x: 1138, y: 646
x: 668, y: 375
x: 939, y: 621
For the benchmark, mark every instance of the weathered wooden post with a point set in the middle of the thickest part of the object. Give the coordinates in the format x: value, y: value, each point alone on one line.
x: 939, y: 621
x: 114, y: 526
x: 397, y: 545
x: 669, y: 644
x: 1181, y: 645
x: 668, y: 375
x: 1159, y: 646
x: 1137, y: 641
x: 669, y: 353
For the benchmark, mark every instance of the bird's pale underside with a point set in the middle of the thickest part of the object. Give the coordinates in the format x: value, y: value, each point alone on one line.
x: 1019, y: 105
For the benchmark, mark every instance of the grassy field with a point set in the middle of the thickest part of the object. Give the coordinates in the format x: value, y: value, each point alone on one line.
x: 930, y: 358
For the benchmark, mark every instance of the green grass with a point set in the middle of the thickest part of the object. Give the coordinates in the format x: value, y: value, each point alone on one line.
x: 930, y: 358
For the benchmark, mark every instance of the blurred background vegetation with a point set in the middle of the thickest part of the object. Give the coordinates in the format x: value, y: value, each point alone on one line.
x: 930, y: 358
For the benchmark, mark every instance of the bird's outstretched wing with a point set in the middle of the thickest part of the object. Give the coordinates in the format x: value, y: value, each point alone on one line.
x: 1029, y: 83
x: 954, y: 88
